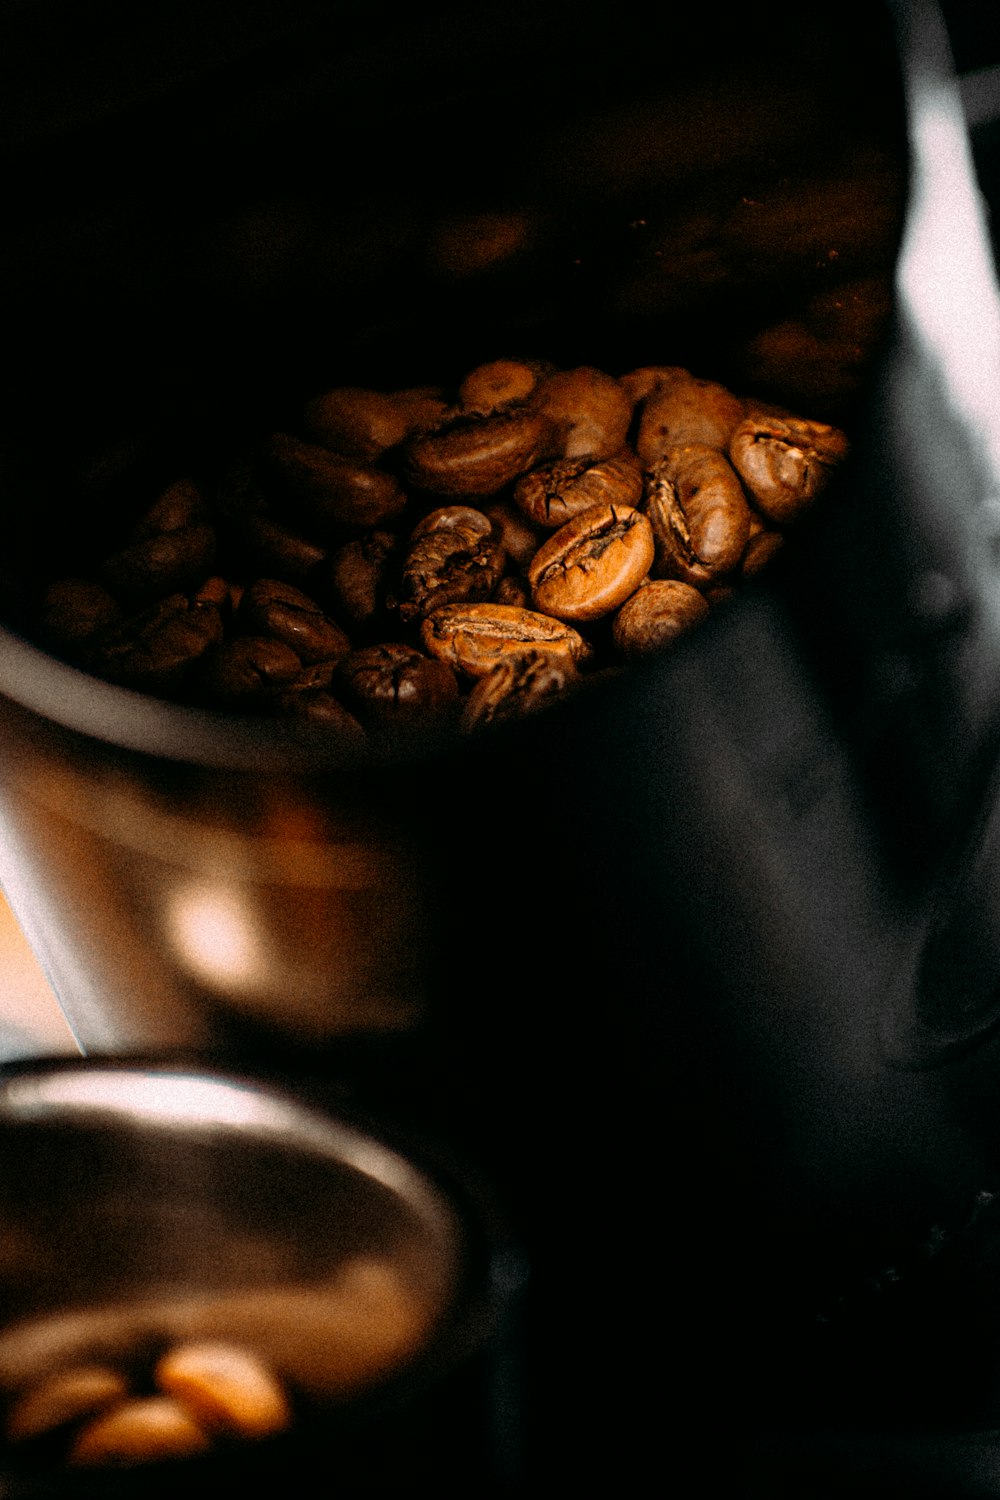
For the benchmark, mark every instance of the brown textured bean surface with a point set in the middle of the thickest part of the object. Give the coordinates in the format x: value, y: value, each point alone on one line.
x: 699, y: 514
x: 592, y: 564
x: 476, y: 637
x: 657, y: 614
x: 785, y: 462
x: 553, y: 494
x: 477, y: 456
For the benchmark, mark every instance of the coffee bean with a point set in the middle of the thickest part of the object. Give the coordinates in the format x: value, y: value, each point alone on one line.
x: 156, y: 650
x: 284, y: 613
x: 145, y: 1430
x: 393, y: 685
x: 519, y: 684
x: 358, y: 576
x: 591, y: 565
x: 699, y: 514
x: 785, y: 462
x: 73, y: 610
x: 478, y: 456
x: 63, y: 1397
x: 655, y: 615
x: 681, y: 409
x: 332, y: 494
x: 455, y: 556
x: 249, y: 671
x: 357, y: 423
x: 474, y: 638
x: 589, y: 411
x: 553, y: 493
x: 226, y: 1389
x: 500, y: 383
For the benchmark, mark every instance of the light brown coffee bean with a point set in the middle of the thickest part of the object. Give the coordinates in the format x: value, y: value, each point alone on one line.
x: 474, y: 638
x: 455, y: 555
x: 591, y: 565
x: 226, y: 1388
x: 477, y: 455
x: 520, y: 684
x: 499, y: 383
x: 63, y: 1397
x: 145, y: 1430
x: 589, y: 411
x: 656, y: 615
x: 785, y: 462
x: 699, y: 514
x: 686, y: 410
x: 552, y: 494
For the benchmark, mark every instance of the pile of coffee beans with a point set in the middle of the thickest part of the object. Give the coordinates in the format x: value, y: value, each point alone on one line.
x: 415, y: 561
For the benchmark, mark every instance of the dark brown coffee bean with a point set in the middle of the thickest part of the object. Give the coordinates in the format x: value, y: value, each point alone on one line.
x: 588, y: 410
x: 364, y: 424
x: 268, y: 546
x: 160, y: 563
x: 72, y: 610
x: 358, y: 576
x: 512, y: 591
x: 552, y: 494
x: 785, y: 461
x: 655, y: 615
x: 180, y: 506
x: 477, y: 456
x: 699, y: 514
x: 155, y: 650
x: 684, y: 409
x: 248, y: 672
x: 455, y: 555
x: 520, y: 684
x: 393, y: 685
x: 761, y: 548
x: 521, y: 540
x: 591, y: 565
x: 282, y: 612
x: 317, y: 705
x: 474, y: 638
x: 333, y: 495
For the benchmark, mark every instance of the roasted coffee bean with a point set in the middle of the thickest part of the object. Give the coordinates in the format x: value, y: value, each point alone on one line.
x: 521, y: 683
x: 268, y: 546
x: 553, y: 493
x: 156, y: 650
x: 144, y: 1430
x: 591, y: 565
x: 392, y: 685
x: 63, y: 1397
x: 478, y: 455
x: 363, y: 424
x: 655, y: 615
x: 642, y: 382
x: 271, y: 608
x: 514, y: 591
x: 358, y: 576
x: 474, y: 638
x: 226, y: 1388
x: 682, y: 410
x: 520, y: 539
x: 171, y: 547
x: 249, y: 671
x: 589, y: 411
x: 334, y: 495
x: 699, y: 514
x: 500, y: 383
x: 785, y: 462
x: 73, y: 610
x: 455, y: 556
x: 761, y: 548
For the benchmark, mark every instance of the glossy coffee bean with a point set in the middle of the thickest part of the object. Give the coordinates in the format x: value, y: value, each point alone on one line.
x: 591, y: 565
x: 552, y: 494
x: 282, y: 612
x: 656, y: 615
x: 477, y: 455
x: 474, y: 638
x: 393, y: 685
x: 785, y: 462
x: 499, y: 383
x: 699, y: 514
x: 358, y: 576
